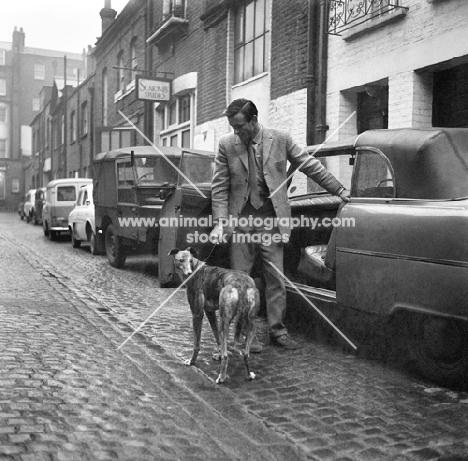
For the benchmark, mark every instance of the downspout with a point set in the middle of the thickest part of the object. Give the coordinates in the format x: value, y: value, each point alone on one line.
x: 317, y: 61
x: 149, y: 105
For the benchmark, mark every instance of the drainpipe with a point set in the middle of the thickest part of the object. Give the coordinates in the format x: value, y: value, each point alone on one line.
x: 148, y: 105
x: 317, y: 71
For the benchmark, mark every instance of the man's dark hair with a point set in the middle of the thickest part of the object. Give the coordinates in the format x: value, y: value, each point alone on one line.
x: 244, y: 106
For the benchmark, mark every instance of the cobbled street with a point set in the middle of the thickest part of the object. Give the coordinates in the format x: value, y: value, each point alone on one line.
x: 68, y: 393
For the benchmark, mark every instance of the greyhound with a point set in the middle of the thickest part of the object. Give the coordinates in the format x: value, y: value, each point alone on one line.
x: 231, y: 292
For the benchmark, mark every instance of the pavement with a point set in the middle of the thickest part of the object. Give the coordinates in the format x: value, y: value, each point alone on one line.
x: 67, y: 392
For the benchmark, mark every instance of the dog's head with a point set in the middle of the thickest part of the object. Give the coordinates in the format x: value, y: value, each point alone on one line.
x: 184, y: 261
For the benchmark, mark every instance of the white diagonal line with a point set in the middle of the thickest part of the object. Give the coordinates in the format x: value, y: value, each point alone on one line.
x: 159, y: 151
x: 161, y: 305
x: 313, y: 153
x: 313, y: 305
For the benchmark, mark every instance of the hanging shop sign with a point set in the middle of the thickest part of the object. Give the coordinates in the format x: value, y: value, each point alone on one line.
x: 153, y: 89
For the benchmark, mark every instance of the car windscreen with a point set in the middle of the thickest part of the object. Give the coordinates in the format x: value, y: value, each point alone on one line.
x: 156, y: 170
x: 197, y: 169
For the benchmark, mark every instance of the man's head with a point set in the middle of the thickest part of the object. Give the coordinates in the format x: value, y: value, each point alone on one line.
x: 243, y: 117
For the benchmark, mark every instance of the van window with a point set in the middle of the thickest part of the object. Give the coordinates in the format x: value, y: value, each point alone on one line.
x: 66, y: 194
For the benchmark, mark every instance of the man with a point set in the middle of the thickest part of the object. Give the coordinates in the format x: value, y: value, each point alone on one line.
x: 250, y: 182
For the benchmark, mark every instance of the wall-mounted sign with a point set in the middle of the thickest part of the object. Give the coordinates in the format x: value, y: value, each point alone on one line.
x: 153, y: 89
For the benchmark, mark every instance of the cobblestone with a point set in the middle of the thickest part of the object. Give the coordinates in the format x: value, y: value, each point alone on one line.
x: 320, y: 400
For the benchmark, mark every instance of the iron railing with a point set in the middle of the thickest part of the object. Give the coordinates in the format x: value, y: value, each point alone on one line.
x: 345, y: 14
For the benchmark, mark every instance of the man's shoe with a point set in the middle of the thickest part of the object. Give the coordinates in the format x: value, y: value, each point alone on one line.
x: 284, y: 341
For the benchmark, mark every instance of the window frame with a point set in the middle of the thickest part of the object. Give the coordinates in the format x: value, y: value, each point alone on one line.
x: 177, y: 130
x: 247, y: 37
x: 39, y: 71
x: 3, y: 87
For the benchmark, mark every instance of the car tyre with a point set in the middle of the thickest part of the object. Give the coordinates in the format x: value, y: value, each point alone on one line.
x: 115, y: 251
x: 93, y: 245
x: 439, y: 349
x: 75, y: 242
x: 52, y: 235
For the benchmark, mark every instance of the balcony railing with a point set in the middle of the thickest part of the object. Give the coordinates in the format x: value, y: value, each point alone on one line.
x: 345, y: 14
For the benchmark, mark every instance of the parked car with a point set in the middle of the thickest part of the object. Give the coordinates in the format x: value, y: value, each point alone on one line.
x: 60, y: 199
x: 38, y: 205
x: 21, y: 208
x: 397, y: 250
x: 130, y: 186
x: 29, y: 204
x: 81, y: 220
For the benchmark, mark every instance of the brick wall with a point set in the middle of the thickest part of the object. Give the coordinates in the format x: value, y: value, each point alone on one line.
x: 288, y: 46
x: 402, y: 54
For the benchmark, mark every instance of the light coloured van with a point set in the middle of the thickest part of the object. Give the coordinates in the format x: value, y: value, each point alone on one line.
x: 61, y: 195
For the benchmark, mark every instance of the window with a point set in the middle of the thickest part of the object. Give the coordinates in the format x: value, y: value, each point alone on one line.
x: 36, y: 104
x: 2, y: 57
x: 2, y: 184
x: 133, y: 57
x: 373, y: 176
x: 3, y: 114
x: 110, y: 139
x: 105, y: 97
x: 15, y: 185
x: 2, y: 87
x: 39, y: 71
x: 84, y: 118
x: 2, y: 148
x: 125, y: 178
x: 176, y: 122
x: 72, y: 127
x: 62, y: 130
x: 66, y: 194
x: 120, y: 72
x: 251, y: 39
x: 174, y: 8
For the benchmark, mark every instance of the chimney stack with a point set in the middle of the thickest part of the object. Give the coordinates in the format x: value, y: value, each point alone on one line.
x: 19, y: 38
x: 107, y: 15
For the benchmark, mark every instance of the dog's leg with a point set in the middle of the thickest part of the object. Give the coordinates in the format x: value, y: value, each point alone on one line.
x: 196, y: 306
x: 213, y: 319
x: 228, y: 300
x: 253, y: 303
x: 250, y: 330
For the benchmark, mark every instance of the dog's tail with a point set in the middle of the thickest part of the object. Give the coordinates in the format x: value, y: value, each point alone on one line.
x: 251, y: 299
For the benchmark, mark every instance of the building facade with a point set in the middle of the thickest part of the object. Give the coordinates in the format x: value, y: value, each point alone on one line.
x: 309, y: 65
x: 23, y: 73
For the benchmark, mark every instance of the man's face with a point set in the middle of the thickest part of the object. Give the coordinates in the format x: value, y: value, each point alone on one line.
x: 244, y: 129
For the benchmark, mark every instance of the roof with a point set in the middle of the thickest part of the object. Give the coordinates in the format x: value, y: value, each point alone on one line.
x: 429, y: 163
x: 146, y: 151
x: 58, y: 182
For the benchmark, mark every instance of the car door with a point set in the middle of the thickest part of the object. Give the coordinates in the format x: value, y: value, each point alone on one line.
x: 127, y: 209
x: 186, y: 219
x: 80, y: 217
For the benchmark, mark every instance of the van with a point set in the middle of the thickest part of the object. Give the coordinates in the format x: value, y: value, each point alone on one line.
x: 60, y: 199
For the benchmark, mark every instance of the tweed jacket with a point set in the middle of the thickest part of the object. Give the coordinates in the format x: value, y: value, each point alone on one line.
x: 229, y: 192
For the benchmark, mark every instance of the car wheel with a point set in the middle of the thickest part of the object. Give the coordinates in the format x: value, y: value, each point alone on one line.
x: 114, y: 249
x: 93, y: 244
x: 75, y: 242
x: 35, y: 220
x: 439, y: 348
x: 52, y: 235
x: 45, y: 229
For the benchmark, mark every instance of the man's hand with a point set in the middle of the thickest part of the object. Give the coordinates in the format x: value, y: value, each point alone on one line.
x: 216, y: 235
x: 344, y: 195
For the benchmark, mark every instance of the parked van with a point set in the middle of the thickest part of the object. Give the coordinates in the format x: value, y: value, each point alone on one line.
x: 60, y: 199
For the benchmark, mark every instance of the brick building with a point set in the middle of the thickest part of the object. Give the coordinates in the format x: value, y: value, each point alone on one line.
x: 23, y: 73
x: 403, y: 65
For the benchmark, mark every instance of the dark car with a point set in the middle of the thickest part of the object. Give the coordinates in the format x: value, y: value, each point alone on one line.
x: 130, y: 187
x: 21, y: 208
x: 38, y: 205
x: 398, y: 250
